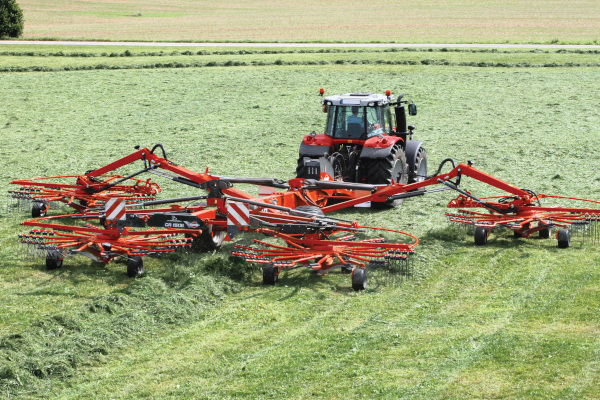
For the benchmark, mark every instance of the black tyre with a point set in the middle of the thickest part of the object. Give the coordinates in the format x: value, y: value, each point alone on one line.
x: 518, y: 235
x: 308, y: 209
x: 419, y: 170
x: 545, y: 233
x: 339, y: 166
x: 208, y: 240
x: 359, y: 279
x: 300, y: 168
x: 135, y: 266
x: 383, y: 171
x: 481, y: 235
x: 564, y: 238
x: 38, y: 210
x: 270, y: 276
x: 53, y: 261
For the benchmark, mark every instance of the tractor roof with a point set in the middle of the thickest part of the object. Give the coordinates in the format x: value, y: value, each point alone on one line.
x: 357, y: 99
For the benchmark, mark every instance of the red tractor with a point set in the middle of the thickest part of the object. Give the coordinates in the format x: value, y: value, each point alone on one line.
x: 364, y: 142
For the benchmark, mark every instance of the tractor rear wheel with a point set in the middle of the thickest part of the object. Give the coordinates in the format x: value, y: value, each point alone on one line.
x: 383, y: 171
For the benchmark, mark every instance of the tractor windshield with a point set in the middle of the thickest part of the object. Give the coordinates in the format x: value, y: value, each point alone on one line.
x: 355, y: 122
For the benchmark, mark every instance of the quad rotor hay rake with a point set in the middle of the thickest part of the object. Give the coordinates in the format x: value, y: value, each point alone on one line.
x: 122, y: 220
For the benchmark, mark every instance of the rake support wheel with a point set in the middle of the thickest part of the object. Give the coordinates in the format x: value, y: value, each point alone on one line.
x: 308, y: 209
x: 481, y: 235
x: 564, y: 238
x: 270, y: 276
x: 208, y: 240
x: 38, y: 209
x: 53, y: 261
x: 359, y: 279
x: 135, y: 266
x: 545, y: 233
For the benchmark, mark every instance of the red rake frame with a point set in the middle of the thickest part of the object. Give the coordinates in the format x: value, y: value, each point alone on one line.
x: 102, y: 244
x: 87, y: 192
x: 309, y: 243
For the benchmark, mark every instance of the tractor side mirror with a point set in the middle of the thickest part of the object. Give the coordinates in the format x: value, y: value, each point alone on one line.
x: 412, y: 109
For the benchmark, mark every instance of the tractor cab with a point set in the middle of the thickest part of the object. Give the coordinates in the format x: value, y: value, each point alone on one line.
x: 358, y: 116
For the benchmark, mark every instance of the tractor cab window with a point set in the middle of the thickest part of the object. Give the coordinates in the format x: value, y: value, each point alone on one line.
x: 346, y: 122
x: 376, y: 125
x: 387, y: 120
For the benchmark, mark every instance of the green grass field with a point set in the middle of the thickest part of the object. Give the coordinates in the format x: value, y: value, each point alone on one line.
x: 495, y: 21
x: 514, y: 319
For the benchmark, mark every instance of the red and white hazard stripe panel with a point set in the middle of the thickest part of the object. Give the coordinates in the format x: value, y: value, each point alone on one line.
x: 115, y: 209
x: 238, y: 214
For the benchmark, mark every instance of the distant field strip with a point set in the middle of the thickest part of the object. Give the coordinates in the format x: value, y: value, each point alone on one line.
x: 435, y: 21
x: 26, y: 61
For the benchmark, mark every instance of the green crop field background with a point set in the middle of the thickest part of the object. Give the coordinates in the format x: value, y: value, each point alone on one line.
x: 514, y: 319
x: 434, y: 21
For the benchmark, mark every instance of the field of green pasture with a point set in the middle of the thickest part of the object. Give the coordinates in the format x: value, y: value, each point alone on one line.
x: 445, y: 21
x: 516, y: 318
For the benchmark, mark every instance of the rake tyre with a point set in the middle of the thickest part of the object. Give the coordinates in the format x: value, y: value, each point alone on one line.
x: 359, y: 279
x: 564, y: 238
x: 346, y: 269
x: 383, y: 171
x: 38, y: 210
x: 53, y: 261
x: 314, y: 210
x: 208, y: 240
x: 135, y: 266
x: 545, y: 233
x: 481, y: 235
x: 270, y: 276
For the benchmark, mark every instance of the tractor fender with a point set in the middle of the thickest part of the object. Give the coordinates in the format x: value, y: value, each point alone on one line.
x: 379, y: 146
x: 412, y: 149
x: 315, y: 146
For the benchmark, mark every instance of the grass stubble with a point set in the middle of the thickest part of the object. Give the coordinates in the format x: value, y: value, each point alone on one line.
x: 515, y: 318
